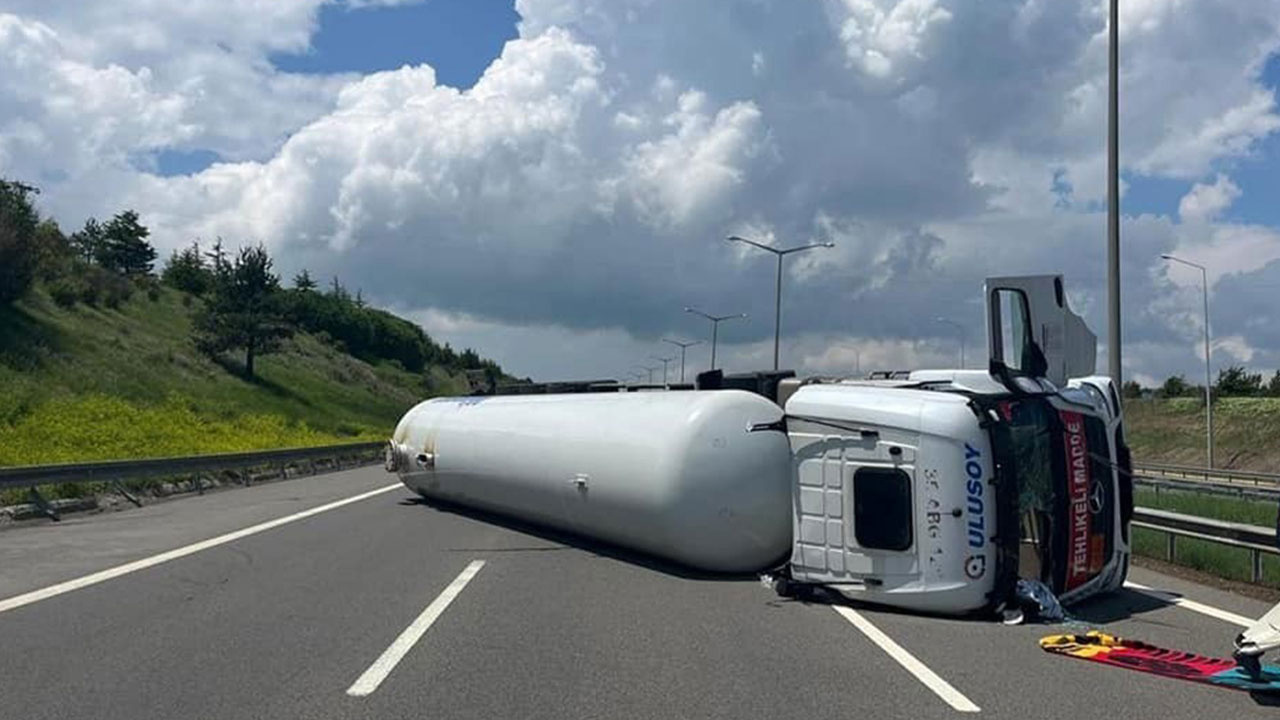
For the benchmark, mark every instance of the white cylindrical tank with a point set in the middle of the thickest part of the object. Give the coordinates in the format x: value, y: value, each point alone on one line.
x: 675, y: 474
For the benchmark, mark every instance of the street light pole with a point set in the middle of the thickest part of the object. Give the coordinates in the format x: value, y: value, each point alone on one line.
x: 1208, y: 381
x: 777, y: 300
x: 1113, y: 197
x: 959, y: 327
x: 649, y: 370
x: 715, y: 328
x: 683, y: 346
x: 664, y: 362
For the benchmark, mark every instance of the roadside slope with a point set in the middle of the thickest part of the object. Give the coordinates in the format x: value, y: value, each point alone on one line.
x: 84, y: 383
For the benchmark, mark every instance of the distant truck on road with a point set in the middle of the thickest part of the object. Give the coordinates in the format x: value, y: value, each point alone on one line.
x: 932, y: 490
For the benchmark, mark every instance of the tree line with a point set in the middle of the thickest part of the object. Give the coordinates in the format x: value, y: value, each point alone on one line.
x: 1233, y: 381
x: 103, y: 263
x: 242, y: 305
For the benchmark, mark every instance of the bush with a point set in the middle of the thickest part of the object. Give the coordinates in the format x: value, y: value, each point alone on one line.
x: 65, y: 292
x: 1238, y: 381
x: 187, y: 271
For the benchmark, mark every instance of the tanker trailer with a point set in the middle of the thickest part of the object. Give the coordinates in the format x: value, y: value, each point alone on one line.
x: 674, y: 474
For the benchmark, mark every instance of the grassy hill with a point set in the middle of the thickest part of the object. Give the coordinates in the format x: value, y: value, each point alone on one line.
x: 86, y: 383
x: 1246, y: 431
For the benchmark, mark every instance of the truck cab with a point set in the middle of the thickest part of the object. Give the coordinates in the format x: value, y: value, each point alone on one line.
x: 936, y: 490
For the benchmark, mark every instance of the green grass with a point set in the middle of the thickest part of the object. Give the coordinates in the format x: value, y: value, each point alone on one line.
x: 1252, y: 512
x: 1246, y: 431
x: 1221, y: 560
x: 86, y: 383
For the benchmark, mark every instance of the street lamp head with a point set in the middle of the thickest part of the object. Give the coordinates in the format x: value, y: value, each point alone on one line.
x: 1166, y: 256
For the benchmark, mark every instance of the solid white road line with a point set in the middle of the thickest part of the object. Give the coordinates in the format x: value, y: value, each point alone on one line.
x: 18, y: 601
x: 1191, y: 605
x: 940, y: 687
x: 382, y: 667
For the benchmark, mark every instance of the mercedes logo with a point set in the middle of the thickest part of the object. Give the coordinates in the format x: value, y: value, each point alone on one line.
x: 1097, y: 498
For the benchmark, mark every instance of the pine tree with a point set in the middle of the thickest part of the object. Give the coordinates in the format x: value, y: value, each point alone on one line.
x: 88, y: 241
x: 302, y: 281
x: 124, y: 247
x: 244, y: 310
x: 186, y: 271
x: 217, y: 258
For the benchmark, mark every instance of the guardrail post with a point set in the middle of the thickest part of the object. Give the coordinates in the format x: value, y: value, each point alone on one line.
x: 1170, y: 548
x: 119, y: 488
x: 1255, y: 564
x: 43, y: 506
x: 195, y: 480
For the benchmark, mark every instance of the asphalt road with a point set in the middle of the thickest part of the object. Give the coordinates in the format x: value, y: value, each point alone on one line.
x: 280, y: 623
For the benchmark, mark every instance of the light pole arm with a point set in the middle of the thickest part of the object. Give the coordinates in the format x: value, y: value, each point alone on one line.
x: 762, y: 246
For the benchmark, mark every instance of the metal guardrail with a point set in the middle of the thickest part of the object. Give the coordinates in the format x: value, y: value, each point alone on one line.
x: 1248, y: 492
x: 1210, y: 481
x: 114, y: 471
x: 1219, y: 475
x: 1252, y: 538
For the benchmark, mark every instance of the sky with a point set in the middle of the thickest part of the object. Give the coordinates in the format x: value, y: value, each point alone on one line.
x: 551, y: 181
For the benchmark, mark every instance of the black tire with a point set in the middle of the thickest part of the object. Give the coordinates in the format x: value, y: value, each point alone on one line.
x: 1251, y: 664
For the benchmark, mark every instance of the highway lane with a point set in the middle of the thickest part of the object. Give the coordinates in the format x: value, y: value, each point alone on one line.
x: 40, y: 554
x: 281, y: 623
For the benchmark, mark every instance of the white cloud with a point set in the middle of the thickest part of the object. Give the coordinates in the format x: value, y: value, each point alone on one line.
x: 1224, y: 250
x: 1205, y: 202
x: 1235, y: 346
x: 879, y: 36
x: 577, y: 196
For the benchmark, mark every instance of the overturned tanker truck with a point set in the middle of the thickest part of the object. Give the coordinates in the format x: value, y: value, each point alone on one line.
x: 931, y: 490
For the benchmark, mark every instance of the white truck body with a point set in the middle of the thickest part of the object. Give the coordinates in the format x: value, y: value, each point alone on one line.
x: 934, y: 491
x: 673, y: 474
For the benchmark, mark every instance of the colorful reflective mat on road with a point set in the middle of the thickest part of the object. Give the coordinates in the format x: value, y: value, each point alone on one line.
x: 1137, y: 655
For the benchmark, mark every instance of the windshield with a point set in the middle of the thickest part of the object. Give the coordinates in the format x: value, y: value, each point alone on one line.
x: 1064, y: 492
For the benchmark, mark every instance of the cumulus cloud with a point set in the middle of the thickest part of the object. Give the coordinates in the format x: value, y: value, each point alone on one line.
x: 879, y: 37
x: 1205, y: 202
x: 578, y: 195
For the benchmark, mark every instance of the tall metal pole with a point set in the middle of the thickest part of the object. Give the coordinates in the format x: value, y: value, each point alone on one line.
x: 1113, y: 198
x: 683, y: 346
x: 777, y: 313
x: 715, y: 327
x: 664, y: 362
x: 1208, y: 382
x: 777, y: 301
x: 1208, y: 377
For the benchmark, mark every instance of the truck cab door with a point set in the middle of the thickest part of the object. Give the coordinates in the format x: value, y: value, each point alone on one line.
x: 1033, y: 335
